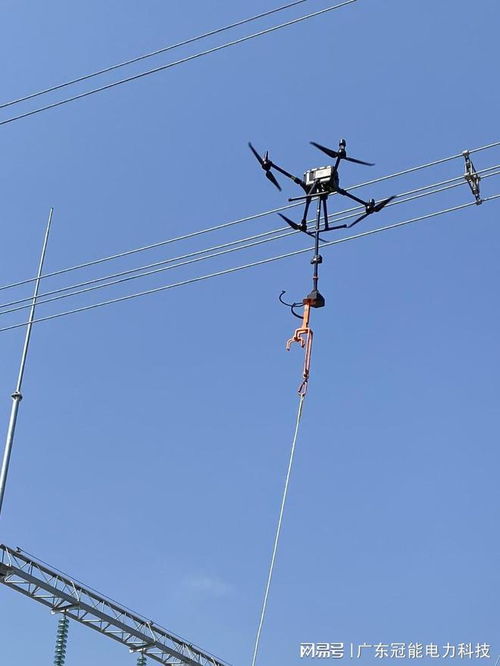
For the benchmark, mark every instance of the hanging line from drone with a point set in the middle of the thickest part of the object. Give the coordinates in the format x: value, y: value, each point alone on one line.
x: 303, y: 335
x: 278, y: 527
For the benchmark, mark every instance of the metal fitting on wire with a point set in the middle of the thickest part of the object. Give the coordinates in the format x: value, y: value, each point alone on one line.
x: 472, y: 177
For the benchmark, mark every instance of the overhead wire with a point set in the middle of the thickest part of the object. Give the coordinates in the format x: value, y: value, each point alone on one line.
x: 144, y: 248
x: 235, y: 269
x: 145, y: 56
x: 235, y: 222
x: 442, y: 160
x: 218, y: 250
x: 175, y: 63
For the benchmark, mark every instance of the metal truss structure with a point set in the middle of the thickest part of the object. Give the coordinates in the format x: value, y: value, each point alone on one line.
x: 63, y: 595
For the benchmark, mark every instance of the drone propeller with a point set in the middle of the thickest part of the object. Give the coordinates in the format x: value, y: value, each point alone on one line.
x: 300, y: 227
x: 294, y: 225
x: 270, y: 176
x: 372, y: 207
x: 340, y: 154
x: 266, y: 164
x: 382, y: 203
x: 259, y: 158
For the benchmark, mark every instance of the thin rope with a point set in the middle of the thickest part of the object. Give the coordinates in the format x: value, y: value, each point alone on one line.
x: 278, y: 529
x: 235, y: 269
x: 144, y: 56
x: 225, y: 225
x: 175, y: 63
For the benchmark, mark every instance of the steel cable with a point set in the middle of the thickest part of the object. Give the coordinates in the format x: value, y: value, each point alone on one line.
x: 231, y: 223
x: 175, y: 63
x: 235, y: 269
x: 144, y: 56
x: 216, y: 251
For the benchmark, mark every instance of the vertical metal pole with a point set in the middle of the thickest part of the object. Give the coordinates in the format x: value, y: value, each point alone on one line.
x: 17, y: 395
x: 317, y: 259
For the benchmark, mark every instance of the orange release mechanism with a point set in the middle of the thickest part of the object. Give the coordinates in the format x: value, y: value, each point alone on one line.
x: 304, y: 336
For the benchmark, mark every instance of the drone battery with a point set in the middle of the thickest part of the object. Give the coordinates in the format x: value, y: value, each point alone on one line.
x: 321, y: 174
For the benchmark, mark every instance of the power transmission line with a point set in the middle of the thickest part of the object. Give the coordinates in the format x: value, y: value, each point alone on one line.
x: 218, y: 250
x: 442, y: 160
x: 175, y: 63
x: 235, y: 222
x: 249, y: 265
x: 144, y: 56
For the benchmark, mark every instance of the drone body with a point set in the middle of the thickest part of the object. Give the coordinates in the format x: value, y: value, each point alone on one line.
x: 320, y: 182
x: 326, y: 176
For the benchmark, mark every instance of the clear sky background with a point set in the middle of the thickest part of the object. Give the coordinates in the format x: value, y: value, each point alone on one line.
x: 153, y: 437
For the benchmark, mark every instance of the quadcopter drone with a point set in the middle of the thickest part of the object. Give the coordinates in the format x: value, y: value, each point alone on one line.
x: 320, y: 182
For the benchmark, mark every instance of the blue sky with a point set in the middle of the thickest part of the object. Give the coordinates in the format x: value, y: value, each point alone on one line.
x: 153, y: 437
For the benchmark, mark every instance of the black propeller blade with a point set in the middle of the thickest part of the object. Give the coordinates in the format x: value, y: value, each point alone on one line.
x: 341, y: 153
x: 300, y: 227
x: 266, y: 164
x: 352, y: 159
x: 362, y: 217
x: 383, y: 203
x: 259, y: 158
x: 293, y: 224
x: 270, y: 176
x: 372, y: 207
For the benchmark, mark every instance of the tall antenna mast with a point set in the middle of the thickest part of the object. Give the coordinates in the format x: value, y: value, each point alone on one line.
x: 17, y: 395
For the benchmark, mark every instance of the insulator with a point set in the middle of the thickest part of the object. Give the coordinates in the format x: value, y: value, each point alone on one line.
x: 61, y: 640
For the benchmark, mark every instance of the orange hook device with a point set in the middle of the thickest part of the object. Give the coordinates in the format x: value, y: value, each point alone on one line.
x: 304, y: 336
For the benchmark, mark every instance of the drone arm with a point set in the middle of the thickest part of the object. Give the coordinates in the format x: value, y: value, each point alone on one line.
x: 345, y: 193
x: 296, y: 180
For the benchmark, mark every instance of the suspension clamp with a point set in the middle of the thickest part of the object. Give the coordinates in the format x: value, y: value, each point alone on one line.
x: 472, y: 177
